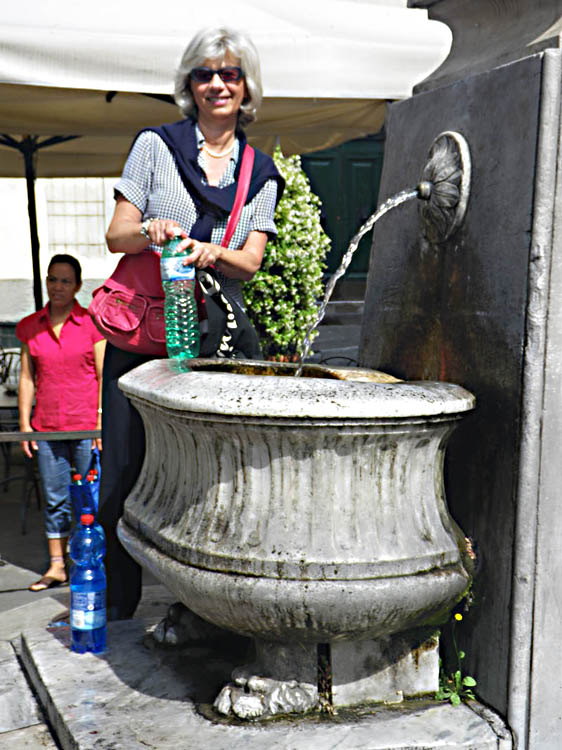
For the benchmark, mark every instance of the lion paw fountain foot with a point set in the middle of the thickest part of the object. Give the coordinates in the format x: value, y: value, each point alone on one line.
x: 182, y: 626
x: 255, y: 697
x: 290, y: 687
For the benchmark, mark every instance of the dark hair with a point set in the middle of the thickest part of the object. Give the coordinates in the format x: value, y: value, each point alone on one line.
x: 64, y: 258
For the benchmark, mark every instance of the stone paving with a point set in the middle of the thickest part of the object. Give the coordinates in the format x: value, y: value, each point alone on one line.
x: 136, y: 696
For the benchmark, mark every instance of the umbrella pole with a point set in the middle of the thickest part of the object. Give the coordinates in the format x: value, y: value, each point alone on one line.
x: 28, y: 146
x: 28, y: 151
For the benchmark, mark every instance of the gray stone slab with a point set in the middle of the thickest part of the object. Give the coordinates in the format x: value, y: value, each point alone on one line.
x: 31, y: 738
x: 35, y: 614
x: 387, y: 669
x: 14, y: 579
x: 154, y: 602
x: 137, y: 696
x: 12, y: 576
x: 18, y: 707
x: 14, y: 583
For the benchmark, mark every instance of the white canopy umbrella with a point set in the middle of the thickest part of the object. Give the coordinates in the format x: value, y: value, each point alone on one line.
x: 327, y: 66
x: 102, y: 70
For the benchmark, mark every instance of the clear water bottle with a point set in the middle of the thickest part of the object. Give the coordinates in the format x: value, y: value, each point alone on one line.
x: 87, y: 588
x: 180, y: 305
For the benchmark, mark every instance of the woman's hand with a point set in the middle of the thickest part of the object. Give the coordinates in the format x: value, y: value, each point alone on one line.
x: 236, y: 264
x: 97, y: 442
x: 202, y: 254
x: 162, y: 230
x: 99, y: 354
x: 124, y: 232
x: 26, y: 394
x: 28, y: 445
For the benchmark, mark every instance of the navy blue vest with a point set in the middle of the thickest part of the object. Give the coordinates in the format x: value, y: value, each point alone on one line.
x: 212, y: 203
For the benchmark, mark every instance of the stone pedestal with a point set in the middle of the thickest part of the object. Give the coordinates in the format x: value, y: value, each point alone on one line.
x: 303, y: 511
x: 385, y: 670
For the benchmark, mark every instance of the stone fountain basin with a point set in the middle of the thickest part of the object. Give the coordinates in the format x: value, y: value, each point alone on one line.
x: 308, y: 509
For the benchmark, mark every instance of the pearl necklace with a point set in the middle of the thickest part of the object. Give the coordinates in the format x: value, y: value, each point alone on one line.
x: 214, y: 154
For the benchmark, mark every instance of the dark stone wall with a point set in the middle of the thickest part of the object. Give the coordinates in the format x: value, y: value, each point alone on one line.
x: 457, y: 312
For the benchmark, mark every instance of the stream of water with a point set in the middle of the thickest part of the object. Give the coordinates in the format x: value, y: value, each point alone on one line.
x: 393, y: 202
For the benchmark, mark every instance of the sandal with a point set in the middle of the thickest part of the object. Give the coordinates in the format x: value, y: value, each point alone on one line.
x: 47, y: 582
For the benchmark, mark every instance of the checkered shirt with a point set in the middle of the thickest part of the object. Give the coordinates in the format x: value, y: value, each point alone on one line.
x: 151, y: 182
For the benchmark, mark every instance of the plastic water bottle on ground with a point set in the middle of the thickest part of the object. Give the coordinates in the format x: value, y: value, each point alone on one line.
x: 180, y: 305
x: 88, y: 619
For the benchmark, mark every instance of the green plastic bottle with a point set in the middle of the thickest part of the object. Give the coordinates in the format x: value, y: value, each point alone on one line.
x: 180, y: 305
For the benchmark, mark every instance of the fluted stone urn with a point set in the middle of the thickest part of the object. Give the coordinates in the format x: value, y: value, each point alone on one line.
x: 303, y: 511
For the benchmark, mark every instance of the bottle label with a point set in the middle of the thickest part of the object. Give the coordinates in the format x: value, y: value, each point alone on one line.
x: 173, y: 269
x: 87, y: 610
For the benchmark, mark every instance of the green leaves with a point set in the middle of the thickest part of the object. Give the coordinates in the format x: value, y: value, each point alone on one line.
x: 456, y: 687
x: 282, y: 298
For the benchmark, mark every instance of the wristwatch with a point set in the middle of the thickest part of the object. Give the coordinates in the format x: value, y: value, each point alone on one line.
x: 144, y: 227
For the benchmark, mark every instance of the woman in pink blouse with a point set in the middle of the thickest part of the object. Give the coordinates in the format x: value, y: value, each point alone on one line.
x: 61, y: 365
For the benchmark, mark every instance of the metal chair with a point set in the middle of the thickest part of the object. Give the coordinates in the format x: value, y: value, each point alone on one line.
x: 10, y: 363
x: 9, y: 369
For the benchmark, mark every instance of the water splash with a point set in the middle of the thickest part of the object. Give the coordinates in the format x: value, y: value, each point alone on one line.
x: 393, y: 202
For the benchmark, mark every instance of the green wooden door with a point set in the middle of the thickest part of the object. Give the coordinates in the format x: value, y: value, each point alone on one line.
x: 346, y: 179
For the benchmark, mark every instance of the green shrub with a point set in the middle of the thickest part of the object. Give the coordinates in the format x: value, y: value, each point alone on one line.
x: 282, y: 299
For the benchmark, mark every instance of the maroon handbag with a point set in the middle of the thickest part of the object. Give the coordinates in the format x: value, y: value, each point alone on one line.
x: 128, y: 309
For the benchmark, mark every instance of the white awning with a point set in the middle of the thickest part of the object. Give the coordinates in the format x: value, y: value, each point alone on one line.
x: 328, y: 66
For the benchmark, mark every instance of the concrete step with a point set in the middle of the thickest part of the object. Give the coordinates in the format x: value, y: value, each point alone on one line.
x: 349, y: 289
x: 337, y: 343
x: 344, y: 312
x: 337, y: 336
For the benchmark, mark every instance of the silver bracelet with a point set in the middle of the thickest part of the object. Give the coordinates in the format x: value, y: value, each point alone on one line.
x: 144, y: 226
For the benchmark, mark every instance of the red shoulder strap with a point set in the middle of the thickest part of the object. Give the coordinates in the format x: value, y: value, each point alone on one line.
x: 241, y: 193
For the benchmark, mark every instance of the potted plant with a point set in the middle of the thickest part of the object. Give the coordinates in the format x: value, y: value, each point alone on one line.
x: 282, y: 298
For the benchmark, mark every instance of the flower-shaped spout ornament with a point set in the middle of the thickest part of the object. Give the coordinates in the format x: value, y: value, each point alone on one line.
x: 447, y: 169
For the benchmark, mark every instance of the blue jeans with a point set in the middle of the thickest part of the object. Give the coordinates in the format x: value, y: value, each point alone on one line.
x: 55, y: 459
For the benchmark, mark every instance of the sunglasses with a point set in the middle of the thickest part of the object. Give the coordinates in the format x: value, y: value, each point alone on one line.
x: 230, y: 74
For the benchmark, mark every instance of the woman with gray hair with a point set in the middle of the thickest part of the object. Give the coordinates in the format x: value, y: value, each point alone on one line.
x: 183, y: 175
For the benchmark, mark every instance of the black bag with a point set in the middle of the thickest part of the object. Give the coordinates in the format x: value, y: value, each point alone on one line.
x: 230, y: 333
